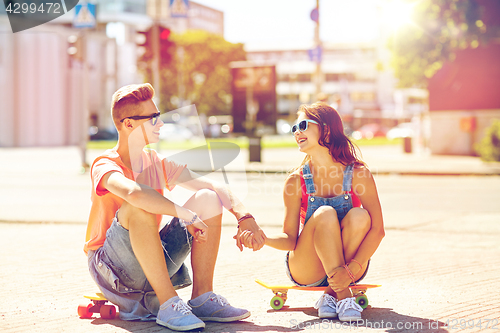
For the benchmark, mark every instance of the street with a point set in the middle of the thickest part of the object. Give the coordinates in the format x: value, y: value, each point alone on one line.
x: 439, y: 261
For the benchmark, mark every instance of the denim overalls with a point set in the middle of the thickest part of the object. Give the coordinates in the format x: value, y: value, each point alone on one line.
x: 342, y: 203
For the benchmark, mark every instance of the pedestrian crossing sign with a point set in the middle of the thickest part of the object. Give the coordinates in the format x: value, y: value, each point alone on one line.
x: 84, y: 16
x: 179, y: 8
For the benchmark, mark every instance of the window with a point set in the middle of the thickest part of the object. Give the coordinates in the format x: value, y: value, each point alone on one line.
x: 332, y: 77
x: 357, y: 96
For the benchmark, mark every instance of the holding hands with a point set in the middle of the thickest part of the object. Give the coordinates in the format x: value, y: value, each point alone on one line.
x: 249, y: 234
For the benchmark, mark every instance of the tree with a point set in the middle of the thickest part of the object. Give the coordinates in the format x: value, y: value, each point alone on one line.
x: 489, y: 147
x: 195, y: 70
x: 440, y: 28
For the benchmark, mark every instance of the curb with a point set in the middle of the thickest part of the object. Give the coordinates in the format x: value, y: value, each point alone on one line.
x: 387, y: 172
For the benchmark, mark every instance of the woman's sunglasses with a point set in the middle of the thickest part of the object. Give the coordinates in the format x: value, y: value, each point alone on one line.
x: 154, y: 118
x: 302, y: 125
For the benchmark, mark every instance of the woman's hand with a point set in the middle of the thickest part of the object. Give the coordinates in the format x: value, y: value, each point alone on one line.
x: 339, y: 279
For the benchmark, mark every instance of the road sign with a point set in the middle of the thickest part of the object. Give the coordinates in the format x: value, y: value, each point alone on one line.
x: 179, y: 8
x: 315, y: 54
x: 84, y: 16
x: 315, y: 14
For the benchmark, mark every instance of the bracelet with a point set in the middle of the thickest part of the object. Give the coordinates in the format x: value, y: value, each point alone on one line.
x: 350, y: 273
x: 243, y: 218
x: 192, y: 220
x: 357, y: 262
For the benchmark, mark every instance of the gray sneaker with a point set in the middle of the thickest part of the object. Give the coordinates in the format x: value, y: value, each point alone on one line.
x: 327, y: 306
x: 349, y: 310
x: 177, y: 315
x: 213, y: 307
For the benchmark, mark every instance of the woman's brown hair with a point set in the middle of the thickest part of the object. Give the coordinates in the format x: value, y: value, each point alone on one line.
x: 331, y: 130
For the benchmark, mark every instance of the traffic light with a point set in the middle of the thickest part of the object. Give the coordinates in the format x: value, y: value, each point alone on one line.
x: 75, y: 50
x: 144, y: 42
x: 144, y: 47
x: 75, y: 47
x: 164, y: 33
x: 166, y: 45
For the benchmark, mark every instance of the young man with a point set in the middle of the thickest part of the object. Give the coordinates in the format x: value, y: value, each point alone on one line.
x: 136, y: 265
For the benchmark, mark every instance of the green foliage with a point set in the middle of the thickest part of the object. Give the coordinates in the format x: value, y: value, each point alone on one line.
x: 198, y: 72
x: 489, y: 147
x: 439, y: 29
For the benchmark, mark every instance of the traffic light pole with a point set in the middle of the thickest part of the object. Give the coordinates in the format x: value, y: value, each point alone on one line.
x: 155, y: 68
x: 85, y: 101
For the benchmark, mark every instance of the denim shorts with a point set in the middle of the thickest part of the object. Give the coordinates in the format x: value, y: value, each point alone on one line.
x: 120, y: 277
x: 323, y: 282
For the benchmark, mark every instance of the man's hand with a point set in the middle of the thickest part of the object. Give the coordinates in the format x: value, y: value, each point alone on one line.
x: 199, y: 230
x: 250, y: 235
x: 339, y: 279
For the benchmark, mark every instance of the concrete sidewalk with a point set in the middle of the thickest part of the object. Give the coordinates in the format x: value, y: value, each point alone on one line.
x: 438, y: 264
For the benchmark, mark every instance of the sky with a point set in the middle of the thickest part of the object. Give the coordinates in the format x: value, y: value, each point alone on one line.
x: 288, y: 22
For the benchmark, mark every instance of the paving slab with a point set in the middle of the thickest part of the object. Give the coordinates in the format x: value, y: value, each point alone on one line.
x: 438, y: 264
x: 430, y: 280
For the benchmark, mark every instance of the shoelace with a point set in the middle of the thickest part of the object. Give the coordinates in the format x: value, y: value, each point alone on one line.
x: 218, y: 298
x: 182, y: 307
x: 330, y: 301
x: 348, y: 303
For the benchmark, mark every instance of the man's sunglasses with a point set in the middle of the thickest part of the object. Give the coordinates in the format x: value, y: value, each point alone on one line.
x: 302, y: 125
x: 154, y: 118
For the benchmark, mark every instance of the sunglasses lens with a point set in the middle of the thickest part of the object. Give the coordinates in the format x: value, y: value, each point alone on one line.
x: 294, y: 128
x: 154, y: 120
x: 303, y: 125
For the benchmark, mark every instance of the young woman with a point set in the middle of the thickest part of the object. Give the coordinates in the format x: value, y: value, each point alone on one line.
x: 333, y: 219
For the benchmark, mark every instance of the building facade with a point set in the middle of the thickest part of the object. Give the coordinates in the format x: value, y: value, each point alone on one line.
x: 351, y: 80
x: 464, y: 95
x: 52, y: 96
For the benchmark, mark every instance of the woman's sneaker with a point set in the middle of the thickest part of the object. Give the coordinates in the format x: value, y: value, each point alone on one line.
x: 327, y: 306
x: 349, y: 310
x: 177, y: 315
x: 213, y: 307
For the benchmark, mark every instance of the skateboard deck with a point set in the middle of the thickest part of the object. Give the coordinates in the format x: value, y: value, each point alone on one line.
x: 281, y: 293
x: 97, y: 305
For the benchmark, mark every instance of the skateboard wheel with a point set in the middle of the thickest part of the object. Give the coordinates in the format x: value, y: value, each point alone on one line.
x: 84, y: 310
x: 108, y: 312
x: 362, y: 301
x: 277, y: 303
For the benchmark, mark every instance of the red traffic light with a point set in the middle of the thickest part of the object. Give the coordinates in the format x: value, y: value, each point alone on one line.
x: 164, y: 33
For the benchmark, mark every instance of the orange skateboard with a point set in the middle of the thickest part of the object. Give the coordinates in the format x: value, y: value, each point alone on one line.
x: 98, y: 305
x: 280, y: 293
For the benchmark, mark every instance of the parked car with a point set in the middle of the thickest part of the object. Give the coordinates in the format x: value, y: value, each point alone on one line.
x: 369, y: 131
x: 174, y: 132
x: 403, y: 130
x: 348, y: 130
x: 101, y: 133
